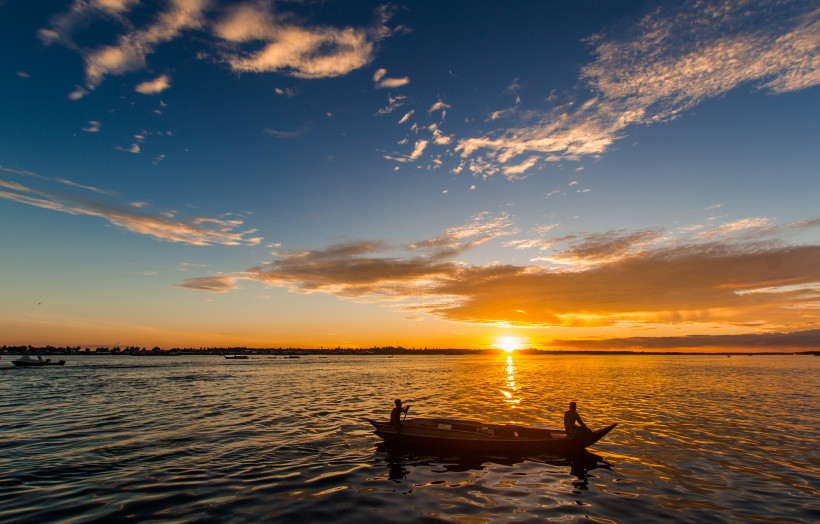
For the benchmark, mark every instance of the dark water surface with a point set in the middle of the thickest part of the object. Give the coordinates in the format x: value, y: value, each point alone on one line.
x: 204, y: 439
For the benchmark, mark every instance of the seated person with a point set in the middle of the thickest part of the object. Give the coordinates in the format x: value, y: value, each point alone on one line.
x: 573, y: 424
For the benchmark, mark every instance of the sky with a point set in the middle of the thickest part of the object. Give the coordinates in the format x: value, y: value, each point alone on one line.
x: 579, y: 174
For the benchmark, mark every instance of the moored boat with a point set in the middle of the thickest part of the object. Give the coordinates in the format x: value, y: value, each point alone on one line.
x: 471, y: 436
x: 237, y: 357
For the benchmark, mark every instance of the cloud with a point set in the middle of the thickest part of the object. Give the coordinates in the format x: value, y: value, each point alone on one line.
x: 379, y: 78
x: 438, y: 106
x: 200, y: 231
x: 133, y: 148
x: 805, y: 340
x: 421, y: 145
x: 152, y: 87
x: 600, y: 248
x: 671, y: 60
x: 92, y: 127
x: 393, y: 82
x: 746, y: 224
x: 258, y: 40
x: 364, y: 269
x: 394, y: 102
x: 288, y: 91
x: 131, y: 49
x: 78, y: 93
x: 513, y: 172
x: 289, y: 134
x: 379, y: 74
x: 303, y: 52
x: 407, y: 116
x: 418, y: 150
x: 639, y: 278
x: 64, y: 24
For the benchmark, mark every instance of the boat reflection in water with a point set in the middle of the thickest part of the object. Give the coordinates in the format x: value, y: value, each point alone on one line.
x: 401, y: 462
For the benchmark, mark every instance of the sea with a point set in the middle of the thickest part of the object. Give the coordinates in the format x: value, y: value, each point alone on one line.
x: 119, y: 438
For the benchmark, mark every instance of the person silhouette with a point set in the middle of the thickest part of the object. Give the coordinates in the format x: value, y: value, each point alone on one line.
x: 573, y: 424
x: 395, y: 415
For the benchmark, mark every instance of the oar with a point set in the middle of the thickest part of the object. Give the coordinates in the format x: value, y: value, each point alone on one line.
x: 402, y: 419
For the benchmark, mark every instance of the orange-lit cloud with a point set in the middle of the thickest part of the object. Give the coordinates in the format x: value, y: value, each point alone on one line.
x: 152, y: 87
x: 252, y: 39
x: 131, y: 49
x: 304, y: 52
x: 383, y: 82
x: 644, y: 277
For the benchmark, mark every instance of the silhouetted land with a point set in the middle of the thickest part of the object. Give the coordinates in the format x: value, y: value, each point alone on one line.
x: 386, y: 350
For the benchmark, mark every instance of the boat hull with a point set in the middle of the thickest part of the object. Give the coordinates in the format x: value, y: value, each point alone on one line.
x: 475, y: 437
x: 34, y: 363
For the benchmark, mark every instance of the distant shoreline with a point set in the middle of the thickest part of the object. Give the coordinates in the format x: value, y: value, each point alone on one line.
x: 375, y: 351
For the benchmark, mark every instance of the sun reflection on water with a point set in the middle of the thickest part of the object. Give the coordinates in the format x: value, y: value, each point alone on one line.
x: 510, y: 390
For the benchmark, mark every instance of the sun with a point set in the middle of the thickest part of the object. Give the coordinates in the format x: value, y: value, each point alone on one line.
x: 508, y: 344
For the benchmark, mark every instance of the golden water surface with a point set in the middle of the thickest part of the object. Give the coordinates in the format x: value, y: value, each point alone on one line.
x: 204, y: 439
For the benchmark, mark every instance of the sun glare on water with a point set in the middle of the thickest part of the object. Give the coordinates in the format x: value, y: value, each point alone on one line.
x: 508, y: 344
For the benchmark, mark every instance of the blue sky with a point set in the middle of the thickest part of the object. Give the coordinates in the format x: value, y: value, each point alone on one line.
x: 203, y: 173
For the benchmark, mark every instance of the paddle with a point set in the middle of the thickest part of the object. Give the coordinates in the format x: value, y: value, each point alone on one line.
x: 404, y: 417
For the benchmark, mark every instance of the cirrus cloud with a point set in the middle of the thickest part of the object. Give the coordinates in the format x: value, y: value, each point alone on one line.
x: 671, y: 60
x: 199, y: 231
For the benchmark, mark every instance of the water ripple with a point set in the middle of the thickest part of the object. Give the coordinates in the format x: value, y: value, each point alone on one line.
x: 201, y: 439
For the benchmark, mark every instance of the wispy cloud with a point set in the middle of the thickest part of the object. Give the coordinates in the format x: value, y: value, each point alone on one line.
x: 92, y: 127
x: 383, y: 82
x: 200, y: 231
x: 439, y: 106
x: 155, y: 86
x: 288, y: 92
x: 674, y: 58
x: 300, y: 51
x: 744, y: 225
x: 63, y: 25
x: 637, y: 278
x: 288, y: 134
x: 364, y: 270
x: 130, y: 51
x: 253, y: 39
x: 407, y: 116
x: 418, y: 150
x: 134, y: 148
x: 393, y: 103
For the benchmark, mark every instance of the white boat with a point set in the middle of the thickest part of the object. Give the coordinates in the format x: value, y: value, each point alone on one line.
x: 29, y: 361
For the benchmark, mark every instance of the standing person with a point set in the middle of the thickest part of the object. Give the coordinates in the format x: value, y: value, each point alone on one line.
x: 395, y: 415
x: 571, y: 417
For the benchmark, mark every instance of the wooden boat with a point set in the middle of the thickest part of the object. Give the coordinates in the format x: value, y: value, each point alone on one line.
x: 470, y: 436
x: 237, y: 357
x: 27, y: 361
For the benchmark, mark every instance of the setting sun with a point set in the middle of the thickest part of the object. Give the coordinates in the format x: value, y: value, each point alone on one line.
x: 508, y: 344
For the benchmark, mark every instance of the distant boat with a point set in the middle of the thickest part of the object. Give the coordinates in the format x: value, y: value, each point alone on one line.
x: 471, y: 436
x: 294, y: 356
x: 237, y: 357
x: 28, y: 361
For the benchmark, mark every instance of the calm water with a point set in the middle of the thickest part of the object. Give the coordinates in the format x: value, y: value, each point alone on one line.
x: 204, y: 439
